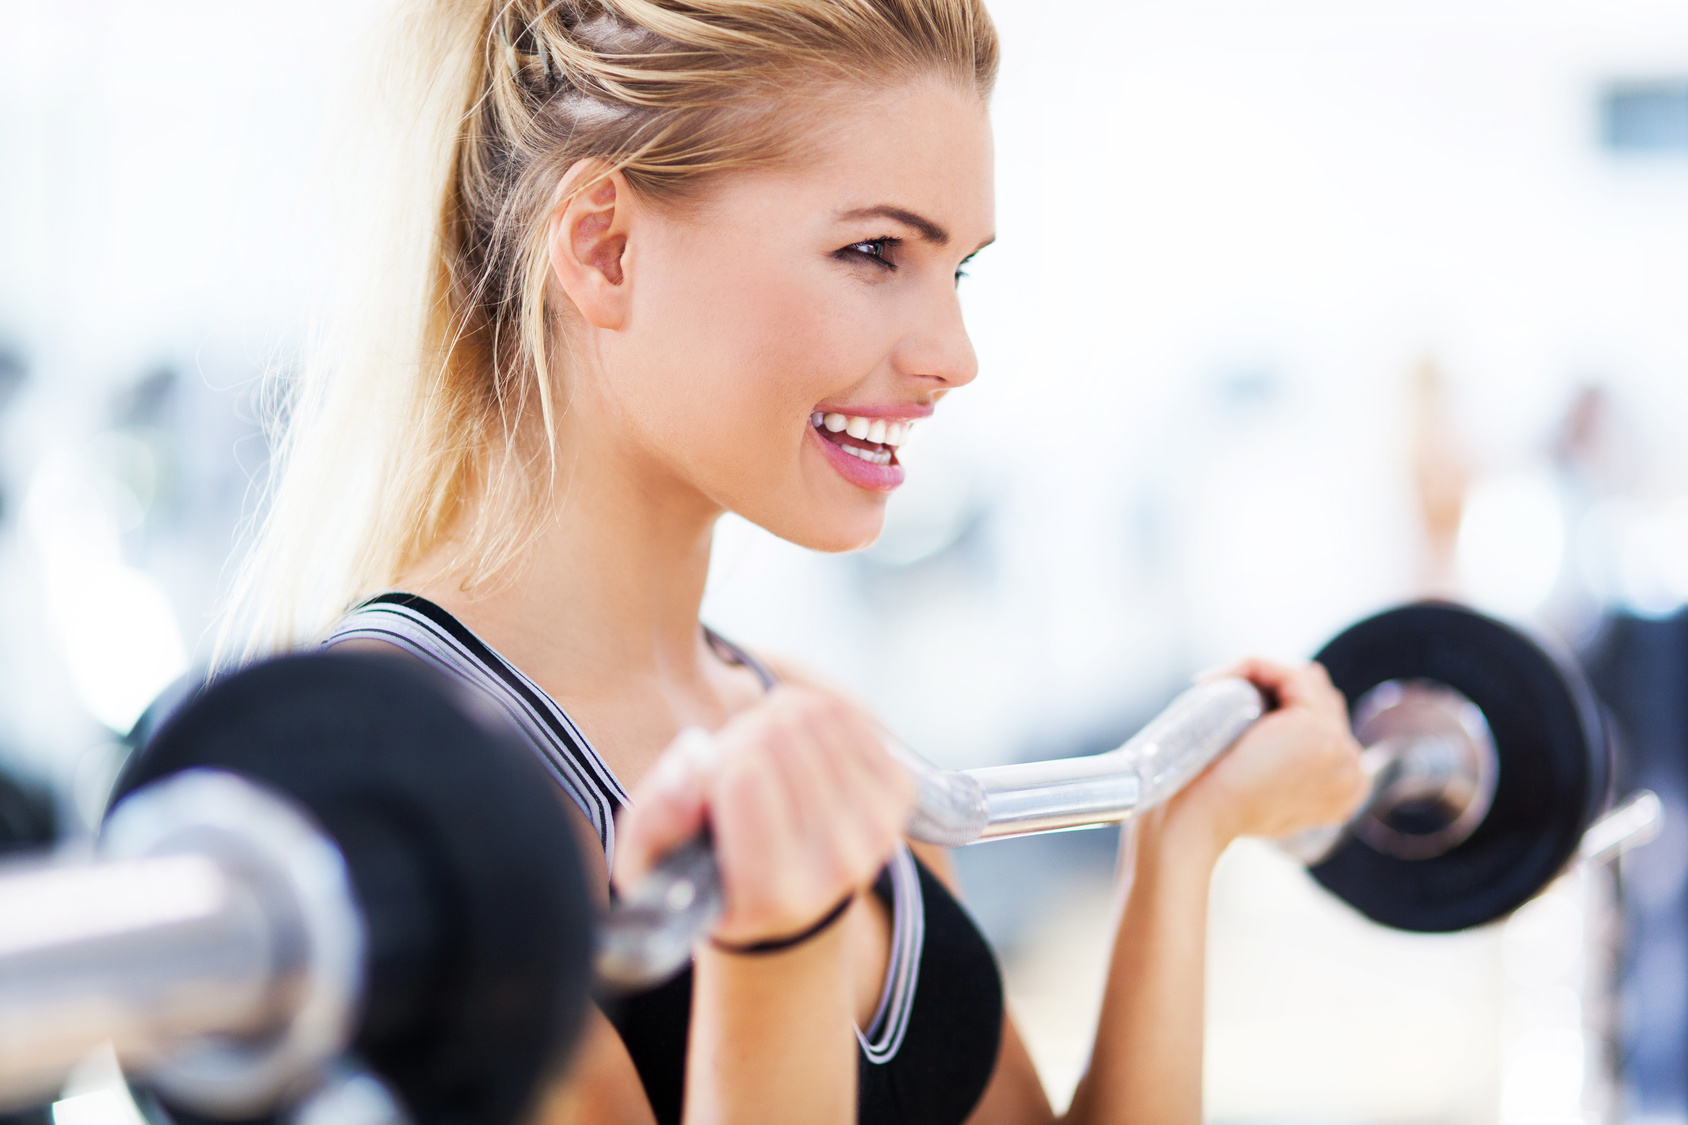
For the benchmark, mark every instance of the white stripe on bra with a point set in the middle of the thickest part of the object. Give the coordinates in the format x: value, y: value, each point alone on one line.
x: 578, y: 768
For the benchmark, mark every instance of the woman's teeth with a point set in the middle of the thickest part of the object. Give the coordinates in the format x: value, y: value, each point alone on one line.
x: 871, y: 456
x: 878, y: 431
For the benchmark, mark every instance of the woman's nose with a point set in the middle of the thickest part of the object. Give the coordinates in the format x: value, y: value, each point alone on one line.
x: 937, y: 349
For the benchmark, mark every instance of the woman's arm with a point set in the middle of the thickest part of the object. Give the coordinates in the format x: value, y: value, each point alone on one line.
x: 1146, y: 1065
x: 1297, y: 768
x: 773, y: 1037
x: 600, y: 1085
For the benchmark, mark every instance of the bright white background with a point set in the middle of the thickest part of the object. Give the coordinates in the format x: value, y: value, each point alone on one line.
x: 1230, y: 232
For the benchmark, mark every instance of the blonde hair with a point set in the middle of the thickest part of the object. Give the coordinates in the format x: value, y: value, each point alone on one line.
x: 429, y: 417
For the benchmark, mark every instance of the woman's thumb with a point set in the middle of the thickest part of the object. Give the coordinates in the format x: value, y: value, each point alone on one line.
x: 669, y: 805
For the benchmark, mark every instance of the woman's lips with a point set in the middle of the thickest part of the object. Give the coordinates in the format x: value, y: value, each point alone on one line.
x: 868, y: 474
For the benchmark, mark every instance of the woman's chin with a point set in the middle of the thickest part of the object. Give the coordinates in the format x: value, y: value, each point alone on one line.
x: 840, y: 545
x: 840, y: 539
x: 834, y: 534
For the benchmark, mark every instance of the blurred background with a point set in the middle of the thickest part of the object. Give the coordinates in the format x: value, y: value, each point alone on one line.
x: 1299, y: 309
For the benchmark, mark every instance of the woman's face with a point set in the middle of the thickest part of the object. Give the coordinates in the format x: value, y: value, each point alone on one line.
x: 781, y: 335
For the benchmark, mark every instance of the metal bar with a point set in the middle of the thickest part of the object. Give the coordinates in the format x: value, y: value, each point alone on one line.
x: 1032, y: 797
x: 136, y: 952
x: 647, y: 936
x: 650, y: 936
x: 994, y: 802
x: 216, y: 944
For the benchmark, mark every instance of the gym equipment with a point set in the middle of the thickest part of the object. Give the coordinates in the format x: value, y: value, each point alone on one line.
x: 1487, y: 757
x: 324, y: 871
x: 1494, y: 763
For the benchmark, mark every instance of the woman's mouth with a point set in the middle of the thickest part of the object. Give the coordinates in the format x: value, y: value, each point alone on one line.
x: 874, y: 440
x: 863, y: 450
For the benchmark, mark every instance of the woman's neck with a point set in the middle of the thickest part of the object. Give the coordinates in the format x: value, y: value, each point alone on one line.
x: 607, y: 596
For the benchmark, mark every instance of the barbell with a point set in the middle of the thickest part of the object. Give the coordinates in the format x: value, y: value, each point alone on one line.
x: 1488, y: 762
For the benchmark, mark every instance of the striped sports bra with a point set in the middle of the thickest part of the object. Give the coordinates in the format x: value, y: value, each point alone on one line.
x: 931, y: 1046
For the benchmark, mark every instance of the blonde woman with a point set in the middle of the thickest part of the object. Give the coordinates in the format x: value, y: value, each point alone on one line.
x: 679, y: 258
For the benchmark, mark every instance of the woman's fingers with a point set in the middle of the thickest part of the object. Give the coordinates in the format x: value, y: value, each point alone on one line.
x: 806, y: 807
x: 758, y: 844
x: 876, y: 793
x: 669, y: 806
x: 829, y: 835
x: 858, y: 790
x: 1304, y: 688
x: 1293, y: 685
x: 1297, y: 767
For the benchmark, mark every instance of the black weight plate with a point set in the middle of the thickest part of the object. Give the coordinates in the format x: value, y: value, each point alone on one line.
x: 1554, y: 768
x: 463, y: 858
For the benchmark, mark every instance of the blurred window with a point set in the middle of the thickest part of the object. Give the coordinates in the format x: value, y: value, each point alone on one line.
x: 1646, y: 117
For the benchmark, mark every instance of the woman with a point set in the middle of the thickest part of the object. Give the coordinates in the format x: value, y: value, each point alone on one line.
x: 686, y: 257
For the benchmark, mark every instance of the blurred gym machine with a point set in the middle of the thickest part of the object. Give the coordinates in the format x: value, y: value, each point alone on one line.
x: 1639, y: 668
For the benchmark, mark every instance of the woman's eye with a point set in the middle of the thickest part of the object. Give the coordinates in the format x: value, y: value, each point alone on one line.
x: 876, y: 249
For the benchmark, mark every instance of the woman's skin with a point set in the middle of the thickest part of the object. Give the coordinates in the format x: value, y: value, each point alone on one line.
x: 702, y: 339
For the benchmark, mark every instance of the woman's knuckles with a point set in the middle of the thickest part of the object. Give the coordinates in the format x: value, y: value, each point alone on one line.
x: 806, y: 706
x: 832, y: 712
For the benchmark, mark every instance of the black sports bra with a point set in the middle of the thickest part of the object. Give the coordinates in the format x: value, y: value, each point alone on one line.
x: 928, y: 1053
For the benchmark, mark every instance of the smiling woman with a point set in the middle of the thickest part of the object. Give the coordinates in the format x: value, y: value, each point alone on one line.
x: 446, y: 406
x: 677, y: 258
x: 825, y: 285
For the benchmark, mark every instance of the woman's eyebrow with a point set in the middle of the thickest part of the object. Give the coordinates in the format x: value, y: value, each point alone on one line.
x: 929, y: 231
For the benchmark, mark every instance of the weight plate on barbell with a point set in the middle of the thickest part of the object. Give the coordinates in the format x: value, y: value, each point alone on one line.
x: 463, y: 857
x: 1553, y: 758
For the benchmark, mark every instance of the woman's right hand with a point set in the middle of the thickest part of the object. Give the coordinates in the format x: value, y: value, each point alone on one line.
x: 803, y: 800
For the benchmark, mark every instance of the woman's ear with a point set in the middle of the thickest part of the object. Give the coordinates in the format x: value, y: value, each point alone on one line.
x: 587, y: 242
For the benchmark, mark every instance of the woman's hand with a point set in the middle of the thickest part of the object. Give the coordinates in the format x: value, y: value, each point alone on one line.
x: 1297, y: 768
x: 803, y: 800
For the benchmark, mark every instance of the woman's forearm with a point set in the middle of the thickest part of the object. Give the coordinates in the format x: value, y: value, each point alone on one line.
x: 772, y: 1037
x: 1146, y: 1065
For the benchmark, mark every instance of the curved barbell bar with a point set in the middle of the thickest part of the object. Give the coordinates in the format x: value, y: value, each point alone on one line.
x: 1428, y: 753
x: 648, y: 936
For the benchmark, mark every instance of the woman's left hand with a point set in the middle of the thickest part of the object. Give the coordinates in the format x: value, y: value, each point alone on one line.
x: 1297, y: 768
